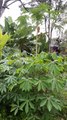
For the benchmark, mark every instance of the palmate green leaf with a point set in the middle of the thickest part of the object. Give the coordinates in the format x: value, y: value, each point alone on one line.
x: 25, y: 84
x: 27, y: 107
x: 10, y: 87
x: 59, y: 86
x: 16, y: 111
x: 56, y: 85
x: 49, y: 105
x: 11, y: 79
x: 41, y: 85
x: 3, y: 87
x: 53, y: 84
x: 31, y: 105
x: 15, y: 96
x: 43, y: 102
x: 15, y: 108
x: 27, y: 104
x: 22, y: 105
x: 4, y: 67
x: 51, y: 102
x: 36, y: 14
x: 56, y: 105
x: 11, y: 82
x: 54, y: 68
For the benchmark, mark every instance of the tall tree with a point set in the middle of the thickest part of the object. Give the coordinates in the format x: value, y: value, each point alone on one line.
x: 53, y: 17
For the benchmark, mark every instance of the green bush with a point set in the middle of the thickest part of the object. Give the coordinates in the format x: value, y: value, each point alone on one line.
x: 33, y: 88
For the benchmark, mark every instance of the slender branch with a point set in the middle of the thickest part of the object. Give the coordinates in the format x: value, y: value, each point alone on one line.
x: 23, y: 5
x: 5, y: 5
x: 12, y: 3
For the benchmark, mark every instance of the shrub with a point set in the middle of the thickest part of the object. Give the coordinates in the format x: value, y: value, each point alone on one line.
x: 33, y: 88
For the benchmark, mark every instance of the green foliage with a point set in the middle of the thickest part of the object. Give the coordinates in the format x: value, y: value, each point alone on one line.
x: 9, y: 26
x: 3, y: 40
x: 38, y: 12
x: 32, y: 87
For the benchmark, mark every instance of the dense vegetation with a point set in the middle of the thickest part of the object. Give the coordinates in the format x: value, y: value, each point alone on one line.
x: 33, y: 81
x: 32, y: 87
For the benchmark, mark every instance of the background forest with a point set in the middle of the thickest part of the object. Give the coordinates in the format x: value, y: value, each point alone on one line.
x: 33, y: 64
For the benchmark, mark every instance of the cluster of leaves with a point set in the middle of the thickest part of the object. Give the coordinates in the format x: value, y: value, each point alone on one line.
x: 22, y: 35
x: 31, y: 87
x: 22, y: 31
x: 3, y: 40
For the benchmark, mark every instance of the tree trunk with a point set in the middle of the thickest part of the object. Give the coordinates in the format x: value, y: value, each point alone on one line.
x: 49, y: 32
x: 45, y: 22
x: 49, y: 27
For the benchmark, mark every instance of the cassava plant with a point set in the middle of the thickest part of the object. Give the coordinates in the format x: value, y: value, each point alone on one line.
x: 33, y: 88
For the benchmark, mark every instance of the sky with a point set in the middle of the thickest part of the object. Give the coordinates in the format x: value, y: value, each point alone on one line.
x: 13, y: 11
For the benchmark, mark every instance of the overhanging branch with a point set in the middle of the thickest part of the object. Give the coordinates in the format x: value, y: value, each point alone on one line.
x: 5, y: 5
